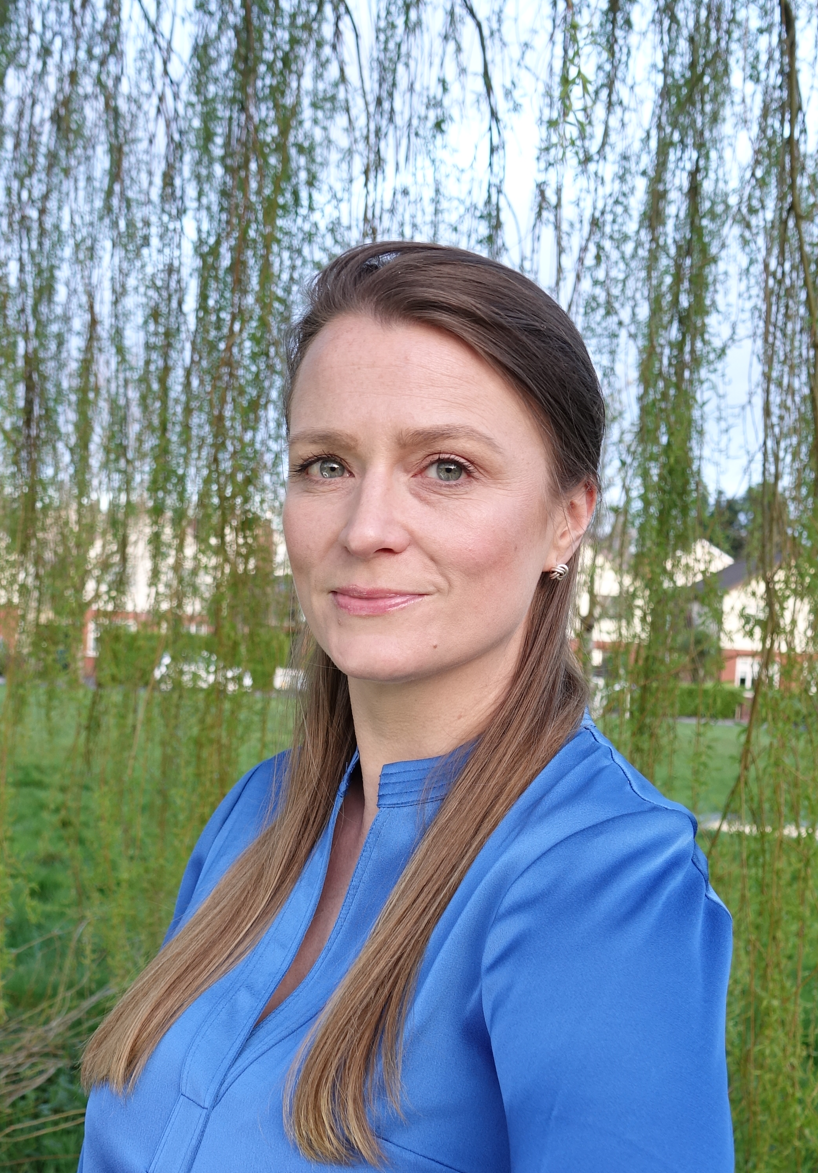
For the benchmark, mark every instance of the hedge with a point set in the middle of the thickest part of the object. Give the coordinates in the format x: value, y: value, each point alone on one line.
x: 127, y: 657
x: 716, y: 702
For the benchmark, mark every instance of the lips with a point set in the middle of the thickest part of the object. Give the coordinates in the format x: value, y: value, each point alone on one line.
x: 362, y: 601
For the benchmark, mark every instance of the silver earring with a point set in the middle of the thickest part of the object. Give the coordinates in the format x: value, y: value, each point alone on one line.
x: 558, y: 572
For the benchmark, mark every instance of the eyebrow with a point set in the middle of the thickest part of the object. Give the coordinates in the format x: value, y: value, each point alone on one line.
x: 432, y: 437
x: 406, y: 438
x: 321, y: 439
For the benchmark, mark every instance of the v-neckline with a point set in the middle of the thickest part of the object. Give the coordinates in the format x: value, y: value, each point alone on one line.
x: 336, y: 898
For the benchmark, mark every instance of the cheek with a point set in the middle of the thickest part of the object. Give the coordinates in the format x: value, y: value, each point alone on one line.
x: 506, y: 541
x: 300, y: 533
x: 308, y: 522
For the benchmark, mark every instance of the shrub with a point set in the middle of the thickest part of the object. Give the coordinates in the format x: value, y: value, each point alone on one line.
x: 129, y: 657
x: 714, y: 702
x: 125, y: 656
x: 52, y: 652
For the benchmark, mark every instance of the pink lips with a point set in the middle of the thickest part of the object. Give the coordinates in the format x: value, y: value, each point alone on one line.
x: 372, y: 600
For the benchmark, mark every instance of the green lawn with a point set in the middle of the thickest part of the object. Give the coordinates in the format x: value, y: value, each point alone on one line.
x: 107, y: 792
x: 701, y: 765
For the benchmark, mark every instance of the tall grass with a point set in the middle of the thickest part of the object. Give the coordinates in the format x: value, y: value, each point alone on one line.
x: 103, y: 814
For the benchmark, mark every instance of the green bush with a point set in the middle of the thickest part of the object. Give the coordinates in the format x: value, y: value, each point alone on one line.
x: 714, y: 702
x: 52, y: 652
x: 129, y: 657
x: 125, y: 656
x: 267, y: 649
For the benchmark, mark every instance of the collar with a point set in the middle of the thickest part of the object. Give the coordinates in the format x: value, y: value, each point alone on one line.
x: 420, y: 781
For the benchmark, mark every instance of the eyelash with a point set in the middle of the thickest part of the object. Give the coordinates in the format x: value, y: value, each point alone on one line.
x: 443, y: 457
x: 301, y: 468
x: 305, y: 464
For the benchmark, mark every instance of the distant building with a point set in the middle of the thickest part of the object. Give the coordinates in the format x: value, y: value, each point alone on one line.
x: 603, y: 601
x: 137, y: 608
x: 744, y: 613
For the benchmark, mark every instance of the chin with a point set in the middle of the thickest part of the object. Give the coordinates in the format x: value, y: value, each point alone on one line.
x: 385, y: 673
x: 384, y: 667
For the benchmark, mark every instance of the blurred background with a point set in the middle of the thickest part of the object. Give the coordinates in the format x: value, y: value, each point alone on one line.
x: 171, y: 173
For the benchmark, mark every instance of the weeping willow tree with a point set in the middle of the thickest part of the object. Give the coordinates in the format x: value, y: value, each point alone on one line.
x: 170, y: 175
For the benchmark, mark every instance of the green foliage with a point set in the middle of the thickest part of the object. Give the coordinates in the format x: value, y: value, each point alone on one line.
x: 108, y: 790
x: 712, y: 702
x: 127, y: 657
x: 730, y: 521
x: 267, y: 650
x: 136, y: 658
x: 52, y: 652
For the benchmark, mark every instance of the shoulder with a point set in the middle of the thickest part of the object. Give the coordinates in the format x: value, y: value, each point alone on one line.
x: 590, y: 771
x: 605, y: 873
x: 238, y: 819
x: 664, y: 825
x: 250, y: 803
x: 589, y: 823
x: 604, y: 973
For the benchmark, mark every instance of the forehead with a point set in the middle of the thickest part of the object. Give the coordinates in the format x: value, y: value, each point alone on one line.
x: 404, y: 375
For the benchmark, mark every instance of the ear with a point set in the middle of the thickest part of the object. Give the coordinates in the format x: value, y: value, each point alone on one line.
x: 573, y: 516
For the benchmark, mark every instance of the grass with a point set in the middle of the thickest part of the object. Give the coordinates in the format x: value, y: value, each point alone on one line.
x: 106, y: 794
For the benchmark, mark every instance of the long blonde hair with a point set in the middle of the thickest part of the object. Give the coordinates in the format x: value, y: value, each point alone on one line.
x: 357, y: 1040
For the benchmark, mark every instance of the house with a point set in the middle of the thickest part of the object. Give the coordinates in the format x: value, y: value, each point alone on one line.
x: 744, y: 611
x: 609, y: 608
x: 137, y: 607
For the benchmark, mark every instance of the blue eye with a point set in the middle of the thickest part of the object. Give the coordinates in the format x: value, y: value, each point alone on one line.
x: 329, y: 468
x: 447, y: 470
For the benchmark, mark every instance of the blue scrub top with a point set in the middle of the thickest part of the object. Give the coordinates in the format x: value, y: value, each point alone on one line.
x: 569, y: 1014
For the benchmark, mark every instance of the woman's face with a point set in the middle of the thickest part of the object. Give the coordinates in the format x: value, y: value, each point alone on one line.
x: 418, y: 516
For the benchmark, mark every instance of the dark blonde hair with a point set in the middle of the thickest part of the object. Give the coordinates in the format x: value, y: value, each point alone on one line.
x: 524, y: 335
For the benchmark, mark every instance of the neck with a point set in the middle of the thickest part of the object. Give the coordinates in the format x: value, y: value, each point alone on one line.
x: 425, y: 718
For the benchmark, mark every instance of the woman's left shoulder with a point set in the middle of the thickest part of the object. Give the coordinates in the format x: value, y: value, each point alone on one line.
x: 611, y: 764
x: 590, y: 809
x: 604, y: 876
x: 604, y: 975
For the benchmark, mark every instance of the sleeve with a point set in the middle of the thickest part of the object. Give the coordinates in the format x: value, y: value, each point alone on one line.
x: 604, y: 990
x: 233, y: 825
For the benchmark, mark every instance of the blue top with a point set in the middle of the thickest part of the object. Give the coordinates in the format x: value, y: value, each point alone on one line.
x: 569, y: 1013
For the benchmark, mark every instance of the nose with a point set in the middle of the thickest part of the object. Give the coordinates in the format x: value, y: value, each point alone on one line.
x: 374, y: 524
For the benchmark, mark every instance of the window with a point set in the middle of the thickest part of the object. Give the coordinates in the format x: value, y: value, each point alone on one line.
x: 746, y: 671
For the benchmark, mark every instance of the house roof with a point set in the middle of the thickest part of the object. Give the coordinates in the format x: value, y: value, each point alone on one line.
x: 735, y: 575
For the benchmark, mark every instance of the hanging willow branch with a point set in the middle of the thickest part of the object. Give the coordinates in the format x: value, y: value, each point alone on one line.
x: 794, y: 111
x: 170, y: 176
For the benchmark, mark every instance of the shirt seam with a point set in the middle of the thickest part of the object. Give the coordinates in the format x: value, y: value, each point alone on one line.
x: 420, y: 800
x: 671, y: 810
x: 651, y: 807
x: 320, y: 962
x: 416, y: 1153
x: 252, y: 962
x: 361, y: 868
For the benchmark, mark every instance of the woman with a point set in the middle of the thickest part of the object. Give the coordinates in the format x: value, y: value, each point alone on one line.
x: 454, y: 929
